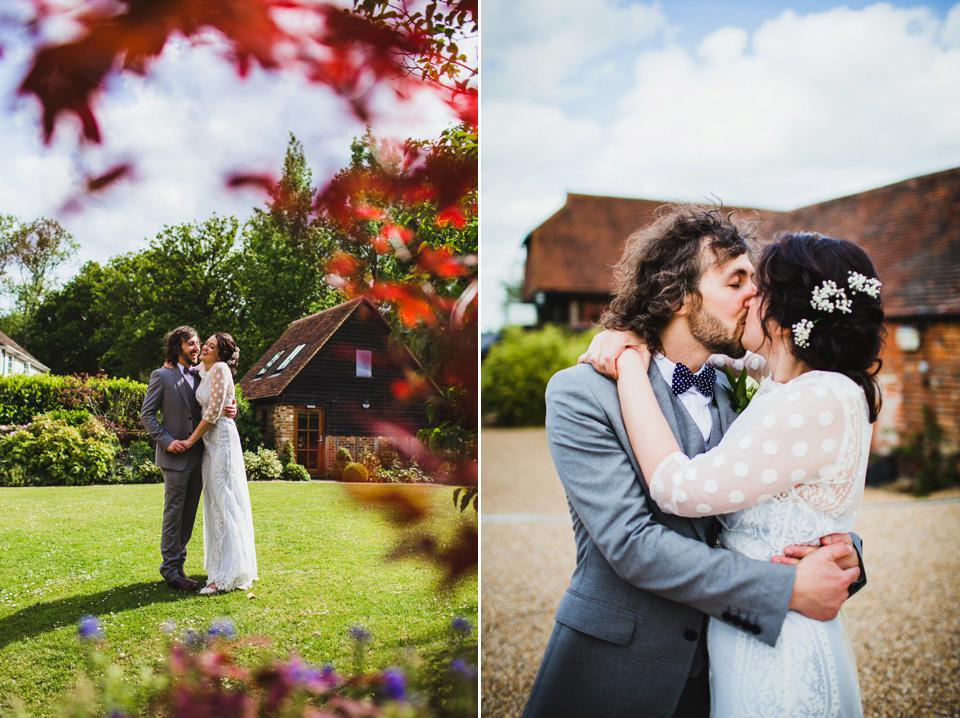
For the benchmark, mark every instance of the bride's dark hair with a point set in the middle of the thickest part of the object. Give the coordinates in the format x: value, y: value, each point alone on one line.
x: 227, y: 350
x: 789, y: 269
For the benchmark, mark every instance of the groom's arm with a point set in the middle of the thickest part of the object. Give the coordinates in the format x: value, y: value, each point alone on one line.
x: 603, y: 488
x: 148, y: 411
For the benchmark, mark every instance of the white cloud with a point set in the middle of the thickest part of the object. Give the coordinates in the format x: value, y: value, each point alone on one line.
x: 187, y: 125
x: 540, y: 49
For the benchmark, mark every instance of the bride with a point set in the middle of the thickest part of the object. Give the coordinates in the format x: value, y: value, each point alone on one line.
x: 230, y: 557
x: 791, y: 467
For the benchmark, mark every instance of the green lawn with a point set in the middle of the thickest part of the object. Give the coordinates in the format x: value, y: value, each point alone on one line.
x: 70, y: 551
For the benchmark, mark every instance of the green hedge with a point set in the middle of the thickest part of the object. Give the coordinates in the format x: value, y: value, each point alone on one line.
x: 115, y: 401
x: 516, y: 371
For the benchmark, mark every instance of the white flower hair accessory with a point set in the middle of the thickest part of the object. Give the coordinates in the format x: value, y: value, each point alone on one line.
x: 232, y: 361
x: 828, y: 297
x: 801, y: 333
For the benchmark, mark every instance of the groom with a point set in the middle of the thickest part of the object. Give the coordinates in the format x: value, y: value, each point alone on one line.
x: 629, y: 638
x: 172, y: 392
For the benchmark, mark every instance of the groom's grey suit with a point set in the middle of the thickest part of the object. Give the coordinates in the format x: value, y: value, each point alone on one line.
x: 630, y: 628
x: 171, y: 394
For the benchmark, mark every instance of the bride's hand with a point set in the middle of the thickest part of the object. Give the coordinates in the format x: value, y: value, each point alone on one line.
x: 167, y: 365
x: 606, y: 348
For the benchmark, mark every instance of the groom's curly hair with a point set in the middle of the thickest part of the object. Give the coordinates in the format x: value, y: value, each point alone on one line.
x: 173, y: 341
x: 662, y: 264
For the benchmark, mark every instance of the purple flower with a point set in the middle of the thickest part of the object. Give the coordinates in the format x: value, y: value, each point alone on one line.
x: 90, y: 628
x: 360, y: 634
x: 461, y: 626
x: 222, y: 627
x: 394, y: 684
x: 458, y: 665
x: 300, y: 673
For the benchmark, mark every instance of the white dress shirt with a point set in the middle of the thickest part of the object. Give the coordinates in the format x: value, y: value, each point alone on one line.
x: 696, y: 404
x: 188, y: 375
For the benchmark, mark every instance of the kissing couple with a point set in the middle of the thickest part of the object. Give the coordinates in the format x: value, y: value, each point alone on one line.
x: 713, y: 548
x: 197, y: 401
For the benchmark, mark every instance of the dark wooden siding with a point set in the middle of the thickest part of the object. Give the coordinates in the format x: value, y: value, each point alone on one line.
x: 329, y: 380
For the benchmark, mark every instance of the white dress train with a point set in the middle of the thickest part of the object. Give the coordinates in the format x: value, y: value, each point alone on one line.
x: 229, y: 554
x: 789, y: 470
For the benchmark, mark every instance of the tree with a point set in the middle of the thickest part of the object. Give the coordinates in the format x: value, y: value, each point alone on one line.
x: 285, y: 251
x: 36, y: 250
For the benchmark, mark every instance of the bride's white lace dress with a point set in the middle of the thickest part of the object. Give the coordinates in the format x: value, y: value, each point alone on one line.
x: 790, y: 469
x: 229, y: 555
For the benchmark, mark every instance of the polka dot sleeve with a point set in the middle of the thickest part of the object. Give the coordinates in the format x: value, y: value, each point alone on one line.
x: 795, y: 440
x: 221, y: 392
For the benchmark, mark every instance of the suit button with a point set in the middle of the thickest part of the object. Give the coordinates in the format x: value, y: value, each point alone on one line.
x: 726, y: 616
x: 736, y: 621
x: 755, y: 629
x: 690, y: 634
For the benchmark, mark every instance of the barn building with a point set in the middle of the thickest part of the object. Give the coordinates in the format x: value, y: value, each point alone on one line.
x: 911, y: 230
x: 335, y: 379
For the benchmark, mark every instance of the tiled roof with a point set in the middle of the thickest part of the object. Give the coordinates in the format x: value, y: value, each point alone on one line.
x: 20, y: 351
x: 911, y: 230
x: 312, y: 331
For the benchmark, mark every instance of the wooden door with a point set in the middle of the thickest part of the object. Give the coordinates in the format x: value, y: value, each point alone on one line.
x: 310, y: 440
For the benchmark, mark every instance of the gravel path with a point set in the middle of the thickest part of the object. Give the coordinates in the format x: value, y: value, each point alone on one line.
x: 905, y: 624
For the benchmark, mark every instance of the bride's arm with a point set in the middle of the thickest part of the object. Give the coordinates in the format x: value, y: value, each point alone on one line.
x: 793, y: 442
x: 221, y: 394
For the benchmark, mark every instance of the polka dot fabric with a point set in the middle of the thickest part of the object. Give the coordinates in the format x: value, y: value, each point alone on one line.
x: 798, y: 436
x: 221, y: 391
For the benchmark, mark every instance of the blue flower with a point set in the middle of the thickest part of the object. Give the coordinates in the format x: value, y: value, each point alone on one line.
x: 222, y: 627
x: 90, y: 628
x: 458, y: 665
x: 360, y: 634
x: 394, y: 684
x: 461, y: 626
x: 194, y: 639
x: 300, y: 673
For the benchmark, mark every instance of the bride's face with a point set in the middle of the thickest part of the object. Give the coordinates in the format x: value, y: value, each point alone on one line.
x: 210, y: 352
x: 753, y: 338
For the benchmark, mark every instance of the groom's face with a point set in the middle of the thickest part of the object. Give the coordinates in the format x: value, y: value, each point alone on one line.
x: 717, y: 318
x: 190, y: 350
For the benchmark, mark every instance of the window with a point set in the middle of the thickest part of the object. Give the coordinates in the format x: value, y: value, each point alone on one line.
x: 270, y: 363
x: 291, y: 356
x: 364, y: 362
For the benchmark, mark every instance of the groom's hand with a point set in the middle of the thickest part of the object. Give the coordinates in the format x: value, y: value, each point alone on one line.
x: 821, y: 584
x: 792, y: 554
x: 177, y: 447
x: 230, y: 410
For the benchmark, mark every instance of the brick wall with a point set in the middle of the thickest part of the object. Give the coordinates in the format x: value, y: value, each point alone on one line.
x: 356, y: 445
x: 929, y: 376
x: 281, y: 420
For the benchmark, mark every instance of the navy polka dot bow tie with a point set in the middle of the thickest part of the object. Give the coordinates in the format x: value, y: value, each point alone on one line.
x: 683, y: 379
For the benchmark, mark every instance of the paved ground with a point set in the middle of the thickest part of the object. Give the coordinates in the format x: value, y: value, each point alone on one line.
x: 905, y: 624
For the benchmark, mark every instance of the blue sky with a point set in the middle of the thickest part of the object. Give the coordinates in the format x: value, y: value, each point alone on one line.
x: 765, y: 104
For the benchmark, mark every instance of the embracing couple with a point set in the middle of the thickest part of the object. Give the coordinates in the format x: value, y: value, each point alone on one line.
x: 197, y: 401
x: 714, y: 548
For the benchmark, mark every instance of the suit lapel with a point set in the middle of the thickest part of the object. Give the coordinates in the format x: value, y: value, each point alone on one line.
x: 184, y: 390
x: 682, y: 425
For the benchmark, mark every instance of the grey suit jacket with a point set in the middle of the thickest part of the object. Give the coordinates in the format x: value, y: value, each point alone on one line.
x: 628, y: 625
x: 168, y: 393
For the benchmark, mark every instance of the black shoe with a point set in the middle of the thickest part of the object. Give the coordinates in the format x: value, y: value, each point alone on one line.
x: 181, y: 583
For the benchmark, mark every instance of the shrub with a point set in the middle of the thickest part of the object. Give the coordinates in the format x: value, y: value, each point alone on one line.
x: 388, y: 457
x: 50, y: 452
x: 343, y: 458
x: 924, y: 457
x: 253, y: 434
x: 295, y: 472
x: 372, y: 464
x: 355, y: 472
x: 72, y: 417
x: 264, y: 465
x: 515, y: 374
x: 411, y: 474
x: 286, y: 453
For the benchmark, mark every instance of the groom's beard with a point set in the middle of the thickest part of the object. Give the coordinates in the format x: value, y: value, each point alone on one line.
x: 707, y: 329
x: 187, y: 359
